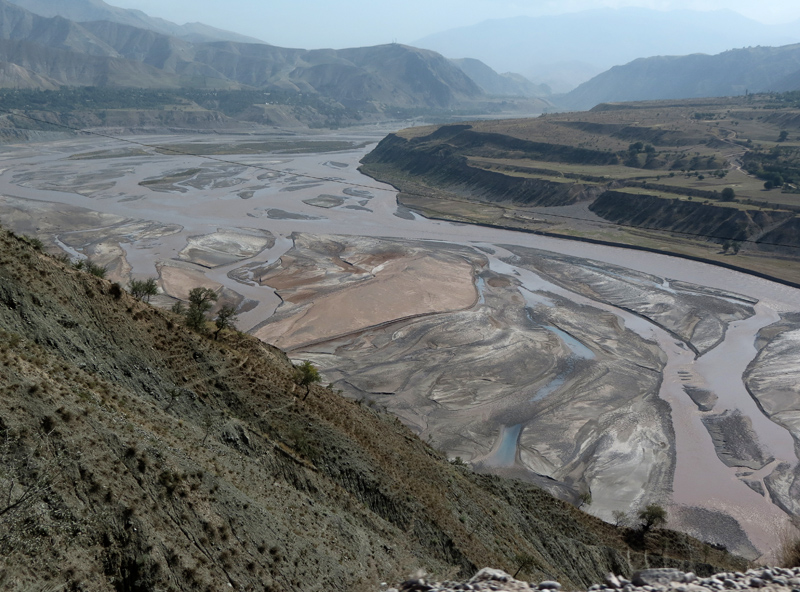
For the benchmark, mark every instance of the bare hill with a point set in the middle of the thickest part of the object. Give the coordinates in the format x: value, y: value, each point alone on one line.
x: 507, y: 84
x: 52, y: 51
x: 97, y: 10
x: 734, y: 72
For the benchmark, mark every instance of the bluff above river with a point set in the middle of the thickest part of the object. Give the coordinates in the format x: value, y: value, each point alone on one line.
x: 690, y: 178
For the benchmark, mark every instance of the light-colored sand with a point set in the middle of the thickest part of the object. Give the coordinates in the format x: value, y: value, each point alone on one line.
x: 225, y: 246
x: 177, y: 281
x: 400, y: 288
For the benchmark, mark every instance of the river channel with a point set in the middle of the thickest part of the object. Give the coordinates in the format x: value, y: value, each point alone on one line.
x: 41, y: 187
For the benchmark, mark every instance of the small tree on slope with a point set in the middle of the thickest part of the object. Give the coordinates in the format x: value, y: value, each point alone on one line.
x: 305, y: 375
x: 200, y: 302
x: 653, y: 515
x: 226, y: 319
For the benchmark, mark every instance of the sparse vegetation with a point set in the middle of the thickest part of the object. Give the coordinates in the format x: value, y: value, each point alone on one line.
x: 523, y: 561
x: 621, y: 518
x: 95, y: 269
x: 35, y: 242
x: 652, y: 516
x: 143, y: 289
x: 305, y: 374
x: 790, y: 552
x: 90, y: 267
x: 226, y: 319
x: 200, y: 302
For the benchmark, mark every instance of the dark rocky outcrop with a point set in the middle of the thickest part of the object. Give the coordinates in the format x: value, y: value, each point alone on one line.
x: 694, y: 217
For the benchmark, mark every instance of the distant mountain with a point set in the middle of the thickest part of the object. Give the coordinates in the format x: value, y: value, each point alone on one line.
x: 734, y: 72
x: 595, y: 40
x: 504, y: 85
x: 30, y: 65
x: 97, y: 10
x: 53, y: 51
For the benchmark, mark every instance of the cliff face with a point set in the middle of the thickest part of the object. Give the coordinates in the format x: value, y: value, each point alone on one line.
x: 137, y: 455
x: 648, y: 211
x: 498, y: 168
x: 442, y: 163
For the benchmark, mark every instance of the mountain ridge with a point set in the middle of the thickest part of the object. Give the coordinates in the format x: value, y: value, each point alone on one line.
x: 373, y: 80
x: 530, y: 44
x: 731, y: 73
x: 97, y: 10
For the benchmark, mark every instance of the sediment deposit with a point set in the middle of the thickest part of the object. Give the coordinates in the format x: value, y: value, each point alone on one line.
x: 597, y: 377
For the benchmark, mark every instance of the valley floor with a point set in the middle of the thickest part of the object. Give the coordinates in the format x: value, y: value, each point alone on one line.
x: 612, y: 378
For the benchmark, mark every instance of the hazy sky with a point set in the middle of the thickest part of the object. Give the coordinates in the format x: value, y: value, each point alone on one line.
x: 313, y: 24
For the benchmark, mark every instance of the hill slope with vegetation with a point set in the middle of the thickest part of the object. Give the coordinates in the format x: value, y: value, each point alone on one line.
x: 140, y: 455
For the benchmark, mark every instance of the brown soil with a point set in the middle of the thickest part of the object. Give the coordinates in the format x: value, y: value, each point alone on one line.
x: 138, y: 455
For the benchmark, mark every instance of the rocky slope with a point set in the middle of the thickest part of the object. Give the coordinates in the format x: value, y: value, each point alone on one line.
x: 138, y: 455
x: 121, y: 54
x: 97, y: 10
x: 646, y: 580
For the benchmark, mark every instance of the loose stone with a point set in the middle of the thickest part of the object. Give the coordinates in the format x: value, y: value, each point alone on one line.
x: 650, y: 580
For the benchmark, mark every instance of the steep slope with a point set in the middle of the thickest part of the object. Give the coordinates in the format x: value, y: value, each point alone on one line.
x: 735, y: 72
x: 97, y: 10
x: 138, y: 455
x: 17, y: 24
x: 492, y: 83
x: 371, y: 78
x: 418, y: 75
x: 56, y: 67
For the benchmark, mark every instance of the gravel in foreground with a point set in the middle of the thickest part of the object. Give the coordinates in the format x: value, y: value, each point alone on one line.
x: 774, y: 579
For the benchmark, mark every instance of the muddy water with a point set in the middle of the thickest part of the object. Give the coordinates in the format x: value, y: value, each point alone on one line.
x: 701, y: 479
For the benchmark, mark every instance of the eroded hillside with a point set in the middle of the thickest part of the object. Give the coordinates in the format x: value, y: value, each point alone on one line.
x: 715, y: 179
x: 138, y: 455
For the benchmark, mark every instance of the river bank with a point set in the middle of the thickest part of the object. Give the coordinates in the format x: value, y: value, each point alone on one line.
x: 499, y: 343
